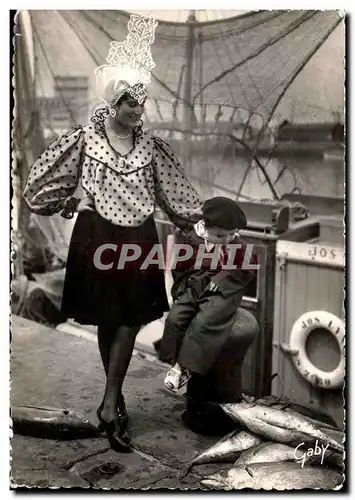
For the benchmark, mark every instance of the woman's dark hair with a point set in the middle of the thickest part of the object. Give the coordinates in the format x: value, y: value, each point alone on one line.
x: 101, y: 114
x: 120, y: 100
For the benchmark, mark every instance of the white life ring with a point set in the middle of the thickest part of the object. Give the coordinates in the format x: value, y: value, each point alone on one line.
x: 299, y: 333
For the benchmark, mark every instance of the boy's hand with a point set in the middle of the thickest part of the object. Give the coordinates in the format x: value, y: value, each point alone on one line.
x: 213, y: 287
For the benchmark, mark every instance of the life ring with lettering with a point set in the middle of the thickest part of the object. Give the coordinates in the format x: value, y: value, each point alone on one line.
x: 297, y: 347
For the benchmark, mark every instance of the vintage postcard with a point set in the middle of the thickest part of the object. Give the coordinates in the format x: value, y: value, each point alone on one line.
x: 178, y: 250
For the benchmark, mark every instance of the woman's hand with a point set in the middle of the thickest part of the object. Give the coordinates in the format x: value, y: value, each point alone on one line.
x: 196, y: 212
x: 85, y: 203
x: 73, y: 205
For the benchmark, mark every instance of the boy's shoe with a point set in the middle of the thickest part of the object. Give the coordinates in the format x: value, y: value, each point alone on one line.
x: 207, y: 418
x: 176, y: 378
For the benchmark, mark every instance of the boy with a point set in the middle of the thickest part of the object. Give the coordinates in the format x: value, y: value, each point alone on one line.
x: 207, y: 291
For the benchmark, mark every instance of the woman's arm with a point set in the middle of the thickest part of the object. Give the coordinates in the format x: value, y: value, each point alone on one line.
x: 174, y: 193
x: 54, y: 176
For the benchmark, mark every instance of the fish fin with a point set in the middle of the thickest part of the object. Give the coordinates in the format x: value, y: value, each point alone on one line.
x: 250, y: 472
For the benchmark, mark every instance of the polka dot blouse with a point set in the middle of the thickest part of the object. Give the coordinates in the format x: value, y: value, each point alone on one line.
x: 123, y: 189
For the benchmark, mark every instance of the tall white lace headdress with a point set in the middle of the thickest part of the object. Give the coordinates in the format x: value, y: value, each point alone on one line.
x: 129, y: 63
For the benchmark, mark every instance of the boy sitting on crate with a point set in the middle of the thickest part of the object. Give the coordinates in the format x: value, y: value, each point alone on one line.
x: 207, y: 290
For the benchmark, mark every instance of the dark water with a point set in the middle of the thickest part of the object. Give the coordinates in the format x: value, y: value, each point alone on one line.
x: 309, y: 175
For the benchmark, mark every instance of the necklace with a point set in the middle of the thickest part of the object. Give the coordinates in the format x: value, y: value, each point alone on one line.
x: 117, y: 135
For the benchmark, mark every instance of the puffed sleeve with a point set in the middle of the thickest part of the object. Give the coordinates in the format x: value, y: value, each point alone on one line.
x: 55, y: 175
x: 174, y: 193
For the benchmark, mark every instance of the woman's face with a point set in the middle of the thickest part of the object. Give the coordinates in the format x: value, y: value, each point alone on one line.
x: 129, y: 112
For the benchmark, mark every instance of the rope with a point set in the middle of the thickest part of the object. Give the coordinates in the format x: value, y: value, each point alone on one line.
x: 80, y: 36
x: 236, y: 45
x: 241, y: 142
x: 303, y: 64
x: 226, y: 83
x: 176, y: 101
x: 284, y: 33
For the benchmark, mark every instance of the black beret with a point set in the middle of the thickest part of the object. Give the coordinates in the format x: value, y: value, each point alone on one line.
x: 224, y: 213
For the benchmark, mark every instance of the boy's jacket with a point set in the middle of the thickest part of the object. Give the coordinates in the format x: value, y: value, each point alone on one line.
x: 228, y: 281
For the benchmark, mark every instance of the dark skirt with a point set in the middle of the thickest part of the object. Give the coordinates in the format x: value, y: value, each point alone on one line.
x: 128, y: 296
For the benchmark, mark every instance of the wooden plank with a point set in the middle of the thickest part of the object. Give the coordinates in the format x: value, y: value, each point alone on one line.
x: 324, y: 255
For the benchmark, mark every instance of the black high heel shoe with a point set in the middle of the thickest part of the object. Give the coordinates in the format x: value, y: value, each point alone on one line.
x: 116, y: 429
x: 117, y: 435
x: 121, y: 410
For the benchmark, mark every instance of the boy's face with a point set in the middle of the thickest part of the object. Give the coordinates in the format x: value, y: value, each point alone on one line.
x: 218, y: 235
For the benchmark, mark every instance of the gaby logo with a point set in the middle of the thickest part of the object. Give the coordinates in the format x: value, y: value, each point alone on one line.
x: 303, y: 454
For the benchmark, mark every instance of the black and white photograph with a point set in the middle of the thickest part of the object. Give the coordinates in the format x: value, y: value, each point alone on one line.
x: 177, y: 296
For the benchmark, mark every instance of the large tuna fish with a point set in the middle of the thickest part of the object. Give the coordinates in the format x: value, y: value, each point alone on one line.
x: 277, y: 476
x: 310, y: 411
x: 226, y: 449
x: 268, y: 453
x: 52, y: 423
x: 277, y: 452
x: 279, y: 426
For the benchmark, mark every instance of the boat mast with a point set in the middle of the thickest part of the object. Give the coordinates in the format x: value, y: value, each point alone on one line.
x: 28, y: 141
x: 187, y: 104
x: 28, y: 117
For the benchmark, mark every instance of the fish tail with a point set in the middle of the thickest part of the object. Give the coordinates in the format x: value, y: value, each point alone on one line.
x: 323, y: 425
x: 335, y: 446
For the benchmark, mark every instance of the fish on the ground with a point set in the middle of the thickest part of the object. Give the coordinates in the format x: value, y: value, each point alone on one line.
x: 287, y: 404
x: 266, y: 453
x: 51, y: 423
x: 278, y: 476
x: 226, y: 449
x: 330, y: 458
x: 330, y: 430
x: 314, y: 414
x: 335, y: 434
x: 276, y: 425
x: 319, y: 423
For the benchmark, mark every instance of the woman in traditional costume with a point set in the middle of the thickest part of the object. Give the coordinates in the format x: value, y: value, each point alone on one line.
x: 124, y: 173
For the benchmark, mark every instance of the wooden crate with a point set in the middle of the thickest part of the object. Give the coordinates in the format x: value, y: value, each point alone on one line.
x: 308, y: 277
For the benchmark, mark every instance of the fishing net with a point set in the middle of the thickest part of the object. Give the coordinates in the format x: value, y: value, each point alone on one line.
x: 215, y: 88
x: 246, y: 62
x: 226, y: 76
